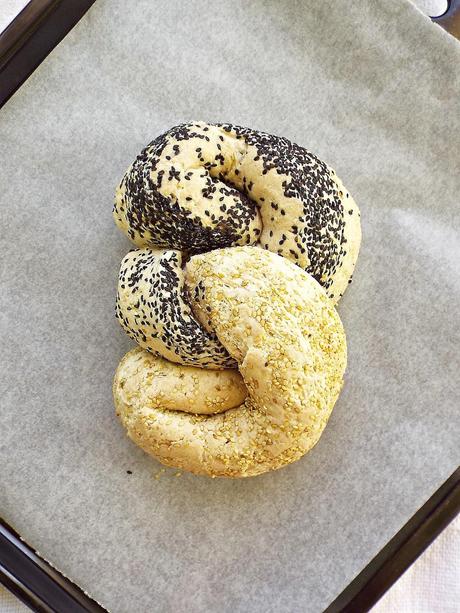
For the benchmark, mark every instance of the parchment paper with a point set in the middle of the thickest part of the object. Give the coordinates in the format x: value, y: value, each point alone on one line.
x: 371, y: 87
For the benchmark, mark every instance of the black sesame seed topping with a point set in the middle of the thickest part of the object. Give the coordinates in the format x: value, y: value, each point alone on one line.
x: 148, y: 210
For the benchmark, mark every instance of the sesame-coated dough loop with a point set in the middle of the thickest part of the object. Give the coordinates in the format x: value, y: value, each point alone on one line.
x: 204, y: 186
x: 282, y: 330
x: 153, y: 308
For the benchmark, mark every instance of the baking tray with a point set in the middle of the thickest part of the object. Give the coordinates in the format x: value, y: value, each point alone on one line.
x: 23, y: 45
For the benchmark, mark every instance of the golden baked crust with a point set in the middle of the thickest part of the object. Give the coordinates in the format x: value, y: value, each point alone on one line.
x: 279, y: 325
x: 158, y: 383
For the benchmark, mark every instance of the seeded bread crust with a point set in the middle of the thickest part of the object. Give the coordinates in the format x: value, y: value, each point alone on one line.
x: 204, y: 186
x: 283, y: 331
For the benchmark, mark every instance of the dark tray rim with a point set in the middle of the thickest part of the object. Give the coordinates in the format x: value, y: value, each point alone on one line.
x: 25, y: 43
x: 44, y: 589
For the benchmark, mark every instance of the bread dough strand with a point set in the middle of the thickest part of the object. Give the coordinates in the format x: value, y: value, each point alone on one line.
x: 279, y: 325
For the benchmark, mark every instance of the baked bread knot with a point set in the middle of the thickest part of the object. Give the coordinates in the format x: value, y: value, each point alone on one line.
x: 277, y: 324
x: 204, y: 186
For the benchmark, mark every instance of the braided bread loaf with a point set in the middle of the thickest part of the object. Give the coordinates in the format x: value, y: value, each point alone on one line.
x: 201, y: 302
